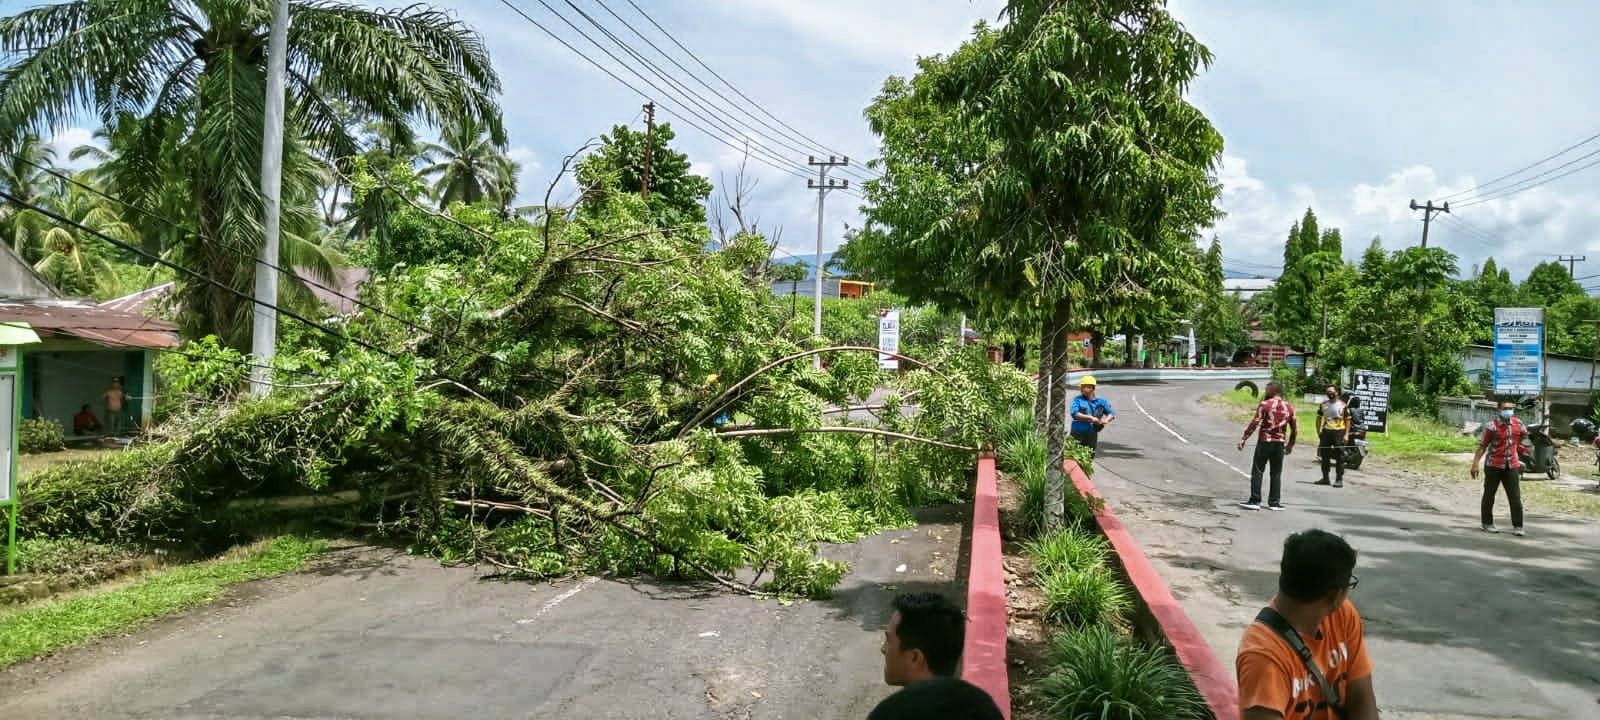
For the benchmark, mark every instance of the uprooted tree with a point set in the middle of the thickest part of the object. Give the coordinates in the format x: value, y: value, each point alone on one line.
x: 595, y: 391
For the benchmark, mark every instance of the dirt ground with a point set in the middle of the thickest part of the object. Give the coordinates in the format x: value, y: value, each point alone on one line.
x: 1027, y: 642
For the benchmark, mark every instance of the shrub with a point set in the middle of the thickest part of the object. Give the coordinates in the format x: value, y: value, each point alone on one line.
x: 1073, y: 548
x: 40, y: 435
x: 1090, y: 596
x: 64, y: 556
x: 1099, y: 673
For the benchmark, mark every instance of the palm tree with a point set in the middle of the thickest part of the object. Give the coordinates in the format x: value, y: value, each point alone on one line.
x: 25, y: 174
x: 467, y: 165
x: 76, y: 262
x: 196, y: 70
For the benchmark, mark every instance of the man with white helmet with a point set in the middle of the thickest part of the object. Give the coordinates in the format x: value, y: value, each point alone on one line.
x: 1090, y: 414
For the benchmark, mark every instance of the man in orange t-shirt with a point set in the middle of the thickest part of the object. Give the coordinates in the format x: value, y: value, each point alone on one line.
x: 1275, y: 682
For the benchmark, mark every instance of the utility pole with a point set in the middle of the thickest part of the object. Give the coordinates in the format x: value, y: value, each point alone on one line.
x: 1594, y: 361
x: 264, y: 326
x: 1429, y: 211
x: 1572, y: 262
x: 649, y: 134
x: 822, y: 185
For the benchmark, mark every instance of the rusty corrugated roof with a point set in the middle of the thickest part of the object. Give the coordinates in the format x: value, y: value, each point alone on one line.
x: 95, y: 323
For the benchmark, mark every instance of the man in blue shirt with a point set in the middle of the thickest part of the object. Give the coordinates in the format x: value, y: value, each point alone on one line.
x: 1090, y: 415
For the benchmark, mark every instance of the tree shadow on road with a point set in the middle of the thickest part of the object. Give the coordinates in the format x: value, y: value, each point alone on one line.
x: 1531, y: 602
x: 867, y: 592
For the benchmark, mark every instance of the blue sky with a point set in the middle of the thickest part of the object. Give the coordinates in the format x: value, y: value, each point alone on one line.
x: 1353, y: 108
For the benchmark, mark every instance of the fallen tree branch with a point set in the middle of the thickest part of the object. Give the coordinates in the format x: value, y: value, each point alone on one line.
x: 728, y: 396
x: 845, y: 429
x: 490, y: 505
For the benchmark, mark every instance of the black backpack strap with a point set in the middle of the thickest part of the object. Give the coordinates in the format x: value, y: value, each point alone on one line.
x: 1272, y: 619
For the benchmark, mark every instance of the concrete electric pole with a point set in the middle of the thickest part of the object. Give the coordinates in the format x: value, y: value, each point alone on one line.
x: 822, y: 185
x: 264, y: 327
x: 1572, y: 263
x: 1427, y: 216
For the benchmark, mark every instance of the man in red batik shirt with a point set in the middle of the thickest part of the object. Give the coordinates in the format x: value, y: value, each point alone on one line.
x: 1275, y: 417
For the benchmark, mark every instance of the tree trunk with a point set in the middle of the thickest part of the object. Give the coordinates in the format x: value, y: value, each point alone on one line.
x: 1047, y: 371
x: 1097, y: 344
x: 1127, y: 348
x: 1055, y: 477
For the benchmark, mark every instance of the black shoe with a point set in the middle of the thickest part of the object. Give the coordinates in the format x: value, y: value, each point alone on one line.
x: 1275, y: 506
x: 1323, y: 481
x: 1339, y: 483
x: 1250, y: 505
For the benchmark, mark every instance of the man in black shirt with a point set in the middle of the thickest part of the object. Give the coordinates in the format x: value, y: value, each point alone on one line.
x: 921, y: 654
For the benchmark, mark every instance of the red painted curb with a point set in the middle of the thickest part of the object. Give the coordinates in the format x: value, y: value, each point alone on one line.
x: 1211, y: 677
x: 983, y: 658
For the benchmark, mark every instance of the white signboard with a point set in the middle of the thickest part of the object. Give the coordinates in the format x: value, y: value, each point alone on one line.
x: 8, y: 436
x: 1519, y: 351
x: 889, y: 339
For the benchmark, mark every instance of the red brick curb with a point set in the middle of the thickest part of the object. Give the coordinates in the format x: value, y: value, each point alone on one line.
x: 1211, y: 677
x: 983, y: 659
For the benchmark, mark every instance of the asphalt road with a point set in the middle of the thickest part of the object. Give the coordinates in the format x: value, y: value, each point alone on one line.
x: 1460, y: 623
x: 374, y: 634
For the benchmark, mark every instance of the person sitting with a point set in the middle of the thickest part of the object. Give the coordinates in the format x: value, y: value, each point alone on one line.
x: 85, y: 422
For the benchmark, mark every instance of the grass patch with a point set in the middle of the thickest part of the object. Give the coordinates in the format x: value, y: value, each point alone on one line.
x: 30, y: 463
x: 31, y: 630
x: 1409, y: 438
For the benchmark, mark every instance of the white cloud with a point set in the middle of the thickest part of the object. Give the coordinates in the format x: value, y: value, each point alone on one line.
x: 889, y: 32
x: 1518, y: 230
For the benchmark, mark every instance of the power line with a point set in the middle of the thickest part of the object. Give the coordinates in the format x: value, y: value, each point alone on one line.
x: 7, y: 195
x: 1475, y: 190
x: 1529, y: 184
x: 797, y: 134
x: 687, y: 94
x: 680, y: 115
x: 781, y: 138
x: 180, y: 226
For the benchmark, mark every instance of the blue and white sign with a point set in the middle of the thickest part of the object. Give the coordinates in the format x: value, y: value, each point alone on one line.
x: 1518, y: 351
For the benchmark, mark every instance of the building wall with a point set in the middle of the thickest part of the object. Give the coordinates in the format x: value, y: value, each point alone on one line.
x: 1564, y: 373
x: 806, y: 288
x: 59, y: 378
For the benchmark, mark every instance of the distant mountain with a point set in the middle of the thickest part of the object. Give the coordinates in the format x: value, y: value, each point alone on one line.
x: 1236, y: 275
x: 809, y: 261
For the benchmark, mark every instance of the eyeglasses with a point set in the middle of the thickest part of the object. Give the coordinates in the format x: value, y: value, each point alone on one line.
x: 1354, y: 581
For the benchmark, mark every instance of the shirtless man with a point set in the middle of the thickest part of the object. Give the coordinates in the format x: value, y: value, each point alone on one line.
x: 116, y: 400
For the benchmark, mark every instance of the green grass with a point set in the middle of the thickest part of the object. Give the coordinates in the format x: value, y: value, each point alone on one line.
x: 54, y: 624
x: 1099, y: 673
x: 1408, y: 438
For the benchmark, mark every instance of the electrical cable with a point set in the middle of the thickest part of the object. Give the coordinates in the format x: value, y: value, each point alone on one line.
x: 1475, y: 190
x: 175, y: 225
x: 1524, y: 185
x: 794, y: 134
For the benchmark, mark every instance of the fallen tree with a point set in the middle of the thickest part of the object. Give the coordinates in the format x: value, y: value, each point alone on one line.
x: 550, y: 405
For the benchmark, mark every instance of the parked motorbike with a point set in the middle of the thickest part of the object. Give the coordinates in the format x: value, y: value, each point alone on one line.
x: 1541, y: 457
x: 1584, y: 431
x: 1356, y: 451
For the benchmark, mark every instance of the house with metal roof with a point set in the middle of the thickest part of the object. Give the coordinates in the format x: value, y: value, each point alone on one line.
x: 85, y: 347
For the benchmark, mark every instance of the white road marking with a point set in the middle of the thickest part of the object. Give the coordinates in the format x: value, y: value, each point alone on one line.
x: 1162, y: 425
x: 557, y: 600
x: 1230, y: 465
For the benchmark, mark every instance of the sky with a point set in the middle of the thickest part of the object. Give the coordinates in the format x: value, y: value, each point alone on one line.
x: 1353, y: 109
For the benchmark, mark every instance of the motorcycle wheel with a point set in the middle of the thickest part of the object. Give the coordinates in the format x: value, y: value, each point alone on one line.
x: 1555, y: 469
x: 1352, y: 460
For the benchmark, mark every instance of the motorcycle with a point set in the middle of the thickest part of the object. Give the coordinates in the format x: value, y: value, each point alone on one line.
x: 1356, y: 450
x: 1541, y: 457
x: 1584, y: 431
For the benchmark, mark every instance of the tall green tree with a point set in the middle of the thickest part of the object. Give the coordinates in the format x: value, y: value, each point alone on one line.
x: 1547, y: 284
x: 468, y: 166
x: 1079, y: 180
x: 24, y: 172
x: 195, y: 71
x: 1295, y: 316
x: 1219, y: 323
x: 676, y: 196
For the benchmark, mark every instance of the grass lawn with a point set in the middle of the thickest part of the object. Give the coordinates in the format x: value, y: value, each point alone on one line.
x: 27, y: 631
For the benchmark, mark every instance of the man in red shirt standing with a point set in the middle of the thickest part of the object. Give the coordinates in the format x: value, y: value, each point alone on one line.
x: 1502, y: 440
x: 1275, y: 417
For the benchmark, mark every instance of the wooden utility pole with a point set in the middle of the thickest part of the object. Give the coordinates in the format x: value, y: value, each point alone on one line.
x: 1572, y: 262
x: 1594, y: 361
x: 649, y: 142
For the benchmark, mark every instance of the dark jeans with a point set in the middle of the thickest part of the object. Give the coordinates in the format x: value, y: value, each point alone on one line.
x: 1267, y: 453
x: 1089, y: 440
x: 1330, y: 446
x: 1493, y: 478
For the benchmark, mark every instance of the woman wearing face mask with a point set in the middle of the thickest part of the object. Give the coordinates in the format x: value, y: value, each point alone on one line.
x: 1333, y: 433
x: 1503, y: 441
